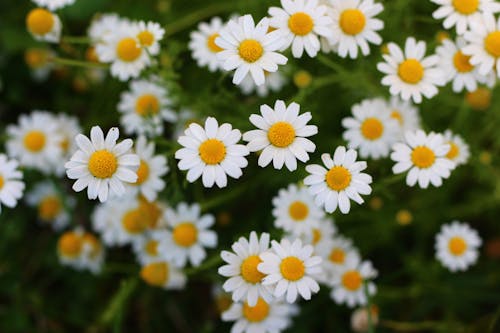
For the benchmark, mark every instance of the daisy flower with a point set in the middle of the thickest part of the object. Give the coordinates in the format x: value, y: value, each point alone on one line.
x: 348, y: 283
x: 341, y: 182
x: 425, y: 156
x: 211, y: 152
x: 202, y: 44
x: 44, y: 25
x: 164, y: 275
x: 105, y: 25
x: 301, y: 23
x: 80, y: 250
x: 274, y: 82
x: 354, y: 25
x: 188, y: 235
x: 68, y: 128
x: 405, y: 113
x: 321, y: 236
x: 336, y: 255
x: 39, y: 60
x: 459, y: 150
x: 249, y: 48
x: 101, y: 165
x: 146, y: 249
x: 371, y: 130
x: 457, y: 246
x: 245, y: 280
x: 11, y: 182
x: 409, y: 73
x: 291, y: 269
x: 53, y: 4
x: 461, y: 13
x: 149, y: 34
x: 281, y: 135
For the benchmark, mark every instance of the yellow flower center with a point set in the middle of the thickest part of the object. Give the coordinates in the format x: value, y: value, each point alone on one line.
x: 34, y: 141
x: 461, y: 62
x: 64, y: 144
x: 466, y: 7
x: 404, y: 217
x: 316, y: 236
x: 298, y: 211
x: 337, y: 256
x: 256, y: 313
x: 212, y: 151
x: 492, y: 43
x: 457, y: 246
x: 142, y: 173
x: 480, y: 99
x: 223, y: 303
x: 250, y: 50
x: 281, y: 134
x: 352, y: 280
x: 36, y: 58
x: 147, y: 105
x: 185, y: 234
x: 249, y: 270
x: 2, y: 182
x: 398, y: 116
x: 49, y: 207
x: 302, y: 79
x: 102, y: 164
x: 127, y: 49
x: 211, y: 43
x: 292, y: 268
x: 146, y: 38
x: 372, y: 128
x: 70, y: 244
x: 133, y: 222
x: 338, y: 178
x: 40, y: 21
x: 411, y: 71
x: 352, y: 21
x: 155, y: 274
x: 151, y: 248
x: 300, y: 23
x: 454, y: 150
x: 150, y: 211
x: 95, y: 245
x: 423, y: 157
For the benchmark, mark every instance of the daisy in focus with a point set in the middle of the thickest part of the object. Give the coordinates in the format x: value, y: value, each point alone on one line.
x: 212, y: 153
x: 457, y: 246
x: 53, y: 4
x: 340, y: 182
x: 202, y: 44
x: 281, y: 135
x: 164, y: 275
x: 102, y: 165
x: 11, y: 182
x: 459, y: 150
x: 274, y: 83
x: 44, y: 25
x: 149, y: 34
x: 250, y: 49
x: 405, y: 113
x: 425, y: 156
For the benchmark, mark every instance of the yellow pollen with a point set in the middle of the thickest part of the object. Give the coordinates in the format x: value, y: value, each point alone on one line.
x: 250, y: 50
x: 150, y: 211
x: 302, y: 79
x: 146, y: 38
x: 398, y: 116
x: 185, y: 234
x: 300, y: 23
x: 411, y: 71
x: 292, y: 268
x: 95, y: 245
x: 211, y: 43
x: 155, y: 274
x: 212, y: 151
x: 423, y: 157
x: 133, y: 222
x: 36, y: 58
x: 142, y: 173
x: 127, y: 49
x: 492, y: 43
x: 337, y: 256
x: 151, y: 248
x: 102, y: 164
x: 352, y: 21
x: 70, y: 244
x: 461, y: 62
x: 256, y: 313
x: 249, y: 270
x: 338, y: 178
x: 316, y: 236
x: 49, y: 207
x: 281, y: 134
x: 34, y: 141
x: 466, y: 7
x: 2, y: 182
x: 457, y: 246
x: 298, y: 211
x: 454, y: 150
x: 479, y: 99
x: 352, y: 280
x: 40, y: 21
x: 147, y: 105
x: 372, y: 128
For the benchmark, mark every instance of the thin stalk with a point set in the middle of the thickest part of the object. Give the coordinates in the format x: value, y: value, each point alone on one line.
x: 78, y: 63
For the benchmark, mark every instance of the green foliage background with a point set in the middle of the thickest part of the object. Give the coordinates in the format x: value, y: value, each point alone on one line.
x: 37, y: 294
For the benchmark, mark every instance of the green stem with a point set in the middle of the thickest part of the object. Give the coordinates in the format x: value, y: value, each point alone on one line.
x: 211, y: 262
x: 78, y: 63
x: 329, y: 63
x: 389, y: 181
x: 117, y: 303
x: 75, y: 39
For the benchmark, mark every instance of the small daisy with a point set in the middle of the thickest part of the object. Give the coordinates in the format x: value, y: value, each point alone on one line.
x: 188, y: 235
x: 11, y: 182
x: 321, y: 236
x: 146, y: 249
x: 105, y: 25
x: 354, y: 26
x: 68, y: 128
x: 409, y: 73
x: 341, y: 182
x: 53, y: 4
x: 459, y: 150
x: 39, y: 60
x: 245, y: 280
x: 336, y: 255
x: 149, y: 35
x: 281, y: 135
x: 425, y: 156
x: 211, y: 152
x: 249, y: 48
x: 301, y: 23
x: 44, y: 25
x: 457, y: 246
x: 164, y: 275
x: 291, y: 269
x: 101, y: 165
x: 405, y: 113
x: 93, y: 253
x: 153, y: 213
x: 461, y: 13
x: 202, y: 44
x: 80, y: 250
x: 371, y: 130
x: 274, y: 82
x: 348, y: 283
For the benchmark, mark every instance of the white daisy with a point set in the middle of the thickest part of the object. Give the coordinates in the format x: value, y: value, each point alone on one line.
x: 146, y: 249
x: 290, y: 269
x: 425, y: 156
x: 459, y: 150
x: 11, y: 182
x: 149, y: 35
x: 212, y: 152
x: 101, y: 165
x: 188, y: 235
x: 457, y: 246
x: 371, y: 130
x: 105, y: 25
x: 321, y: 236
x: 44, y: 25
x: 164, y: 275
x: 273, y: 83
x: 409, y: 73
x: 80, y: 250
x: 250, y: 48
x: 281, y: 135
x: 336, y: 255
x: 39, y: 60
x: 354, y: 25
x: 301, y: 23
x: 405, y: 113
x: 202, y: 44
x: 93, y: 253
x: 244, y: 278
x: 68, y: 128
x: 53, y: 4
x: 341, y: 182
